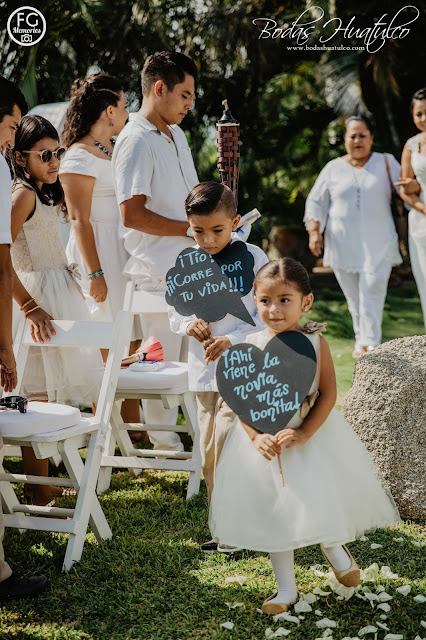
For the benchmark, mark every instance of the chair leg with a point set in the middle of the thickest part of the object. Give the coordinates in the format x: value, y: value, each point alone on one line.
x: 190, y: 413
x: 87, y: 510
x: 10, y: 501
x: 104, y: 479
x: 122, y: 437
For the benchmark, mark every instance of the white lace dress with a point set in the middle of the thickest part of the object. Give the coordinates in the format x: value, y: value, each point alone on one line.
x: 417, y: 224
x: 332, y: 491
x: 55, y: 374
x: 105, y: 220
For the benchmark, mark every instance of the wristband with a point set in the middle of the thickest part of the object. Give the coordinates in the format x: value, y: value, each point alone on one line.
x: 27, y: 303
x: 27, y: 313
x: 95, y: 274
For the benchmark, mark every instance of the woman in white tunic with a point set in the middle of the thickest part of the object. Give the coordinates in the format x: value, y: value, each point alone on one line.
x: 97, y: 112
x: 350, y: 205
x: 413, y: 164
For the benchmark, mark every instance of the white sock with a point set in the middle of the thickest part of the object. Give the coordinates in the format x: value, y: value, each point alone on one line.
x: 283, y: 564
x: 338, y: 557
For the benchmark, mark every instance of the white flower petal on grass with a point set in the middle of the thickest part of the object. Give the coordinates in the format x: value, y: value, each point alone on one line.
x: 404, y: 590
x: 260, y: 611
x: 393, y: 636
x: 269, y: 633
x: 418, y: 638
x: 318, y: 612
x: 365, y: 630
x: 227, y: 625
x: 423, y: 623
x: 384, y: 606
x: 371, y: 596
x: 383, y: 616
x: 301, y: 617
x: 371, y: 573
x: 382, y: 626
x: 380, y: 588
x: 319, y: 592
x: 327, y: 633
x: 398, y: 539
x: 240, y: 579
x: 325, y: 623
x: 415, y: 543
x: 345, y: 592
x: 384, y: 597
x: 419, y: 598
x: 376, y: 546
x: 281, y: 632
x: 302, y: 607
x: 234, y: 605
x: 318, y: 569
x: 387, y: 573
x: 287, y: 617
x: 363, y: 539
x: 310, y: 598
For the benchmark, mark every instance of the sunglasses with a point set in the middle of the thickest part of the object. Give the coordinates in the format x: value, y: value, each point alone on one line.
x: 14, y: 402
x: 46, y: 155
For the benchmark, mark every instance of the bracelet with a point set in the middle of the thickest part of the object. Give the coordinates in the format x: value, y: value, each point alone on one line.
x: 27, y: 303
x: 27, y: 313
x: 95, y: 274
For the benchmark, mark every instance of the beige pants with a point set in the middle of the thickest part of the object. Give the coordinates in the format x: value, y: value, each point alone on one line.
x: 215, y: 419
x: 5, y: 570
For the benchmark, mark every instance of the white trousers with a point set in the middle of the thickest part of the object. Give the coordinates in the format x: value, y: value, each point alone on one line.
x: 417, y: 247
x: 365, y: 294
x: 157, y: 324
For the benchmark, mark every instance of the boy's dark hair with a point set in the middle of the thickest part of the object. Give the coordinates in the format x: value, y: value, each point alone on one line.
x: 168, y: 66
x: 207, y: 197
x: 30, y: 131
x: 10, y: 96
x: 289, y: 271
x: 89, y: 98
x: 420, y: 94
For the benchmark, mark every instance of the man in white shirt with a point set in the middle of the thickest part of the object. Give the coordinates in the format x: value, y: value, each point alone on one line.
x: 12, y: 107
x: 153, y: 172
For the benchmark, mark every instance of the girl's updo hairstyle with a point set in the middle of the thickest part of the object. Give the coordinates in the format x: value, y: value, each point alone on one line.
x: 31, y: 130
x: 289, y: 271
x: 89, y: 98
x: 418, y: 95
x: 359, y: 118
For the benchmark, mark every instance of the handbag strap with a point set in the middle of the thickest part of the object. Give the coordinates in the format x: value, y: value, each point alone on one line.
x: 389, y: 175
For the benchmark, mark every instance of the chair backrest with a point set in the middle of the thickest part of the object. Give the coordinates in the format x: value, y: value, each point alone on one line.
x: 113, y: 336
x: 144, y: 301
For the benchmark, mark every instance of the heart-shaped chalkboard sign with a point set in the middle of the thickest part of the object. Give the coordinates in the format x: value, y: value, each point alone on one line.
x: 266, y: 388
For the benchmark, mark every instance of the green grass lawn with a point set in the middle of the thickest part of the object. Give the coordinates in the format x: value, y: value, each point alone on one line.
x: 150, y: 582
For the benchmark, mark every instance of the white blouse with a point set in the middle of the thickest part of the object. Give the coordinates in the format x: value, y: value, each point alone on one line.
x: 353, y: 207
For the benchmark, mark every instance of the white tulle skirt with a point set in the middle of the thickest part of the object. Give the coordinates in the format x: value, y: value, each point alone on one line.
x: 60, y: 374
x: 332, y: 492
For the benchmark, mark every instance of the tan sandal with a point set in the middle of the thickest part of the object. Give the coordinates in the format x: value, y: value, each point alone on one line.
x: 349, y: 577
x: 273, y: 608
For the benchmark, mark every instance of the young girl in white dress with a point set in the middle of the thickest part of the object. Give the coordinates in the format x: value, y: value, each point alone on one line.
x: 45, y: 287
x: 332, y: 493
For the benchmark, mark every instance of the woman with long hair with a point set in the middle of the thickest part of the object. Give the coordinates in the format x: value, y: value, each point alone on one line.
x: 96, y: 113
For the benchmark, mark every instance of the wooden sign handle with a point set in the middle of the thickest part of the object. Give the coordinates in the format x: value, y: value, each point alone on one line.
x: 281, y: 470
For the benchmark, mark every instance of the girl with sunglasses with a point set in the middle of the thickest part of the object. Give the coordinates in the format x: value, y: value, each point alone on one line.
x: 45, y: 287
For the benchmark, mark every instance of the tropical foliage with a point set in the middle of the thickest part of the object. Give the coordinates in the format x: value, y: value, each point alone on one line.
x: 290, y: 103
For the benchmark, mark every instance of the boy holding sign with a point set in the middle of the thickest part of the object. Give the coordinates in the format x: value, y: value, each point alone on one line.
x: 211, y: 290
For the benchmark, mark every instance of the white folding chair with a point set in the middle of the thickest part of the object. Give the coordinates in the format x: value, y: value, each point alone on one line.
x: 52, y: 429
x: 168, y: 385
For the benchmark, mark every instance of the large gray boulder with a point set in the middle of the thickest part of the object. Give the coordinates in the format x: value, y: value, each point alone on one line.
x: 386, y: 406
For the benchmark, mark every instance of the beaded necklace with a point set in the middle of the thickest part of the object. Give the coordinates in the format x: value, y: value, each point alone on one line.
x: 101, y: 146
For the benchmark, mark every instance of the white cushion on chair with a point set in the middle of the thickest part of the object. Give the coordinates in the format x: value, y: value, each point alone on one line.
x: 41, y: 417
x: 173, y: 374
